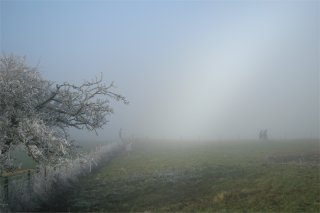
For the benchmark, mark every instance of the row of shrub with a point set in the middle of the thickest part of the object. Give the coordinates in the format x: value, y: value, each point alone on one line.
x: 30, y: 192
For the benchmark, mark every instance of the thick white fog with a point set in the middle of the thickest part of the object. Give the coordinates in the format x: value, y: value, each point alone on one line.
x: 191, y: 70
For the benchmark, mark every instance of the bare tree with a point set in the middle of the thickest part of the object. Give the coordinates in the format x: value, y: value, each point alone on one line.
x: 36, y: 113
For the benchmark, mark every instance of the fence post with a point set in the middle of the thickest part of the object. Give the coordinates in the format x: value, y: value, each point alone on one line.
x: 6, y: 189
x: 45, y: 178
x: 29, y: 181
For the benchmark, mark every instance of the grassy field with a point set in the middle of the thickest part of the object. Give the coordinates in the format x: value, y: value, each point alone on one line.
x: 239, y: 176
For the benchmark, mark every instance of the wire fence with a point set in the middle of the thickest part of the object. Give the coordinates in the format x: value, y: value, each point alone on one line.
x: 26, y: 190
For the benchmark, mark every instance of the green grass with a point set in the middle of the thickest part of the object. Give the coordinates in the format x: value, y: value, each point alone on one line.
x: 274, y: 176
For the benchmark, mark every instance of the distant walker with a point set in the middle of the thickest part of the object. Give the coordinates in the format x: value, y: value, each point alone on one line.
x: 263, y: 134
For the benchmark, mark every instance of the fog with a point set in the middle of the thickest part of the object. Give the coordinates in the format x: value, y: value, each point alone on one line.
x: 191, y: 70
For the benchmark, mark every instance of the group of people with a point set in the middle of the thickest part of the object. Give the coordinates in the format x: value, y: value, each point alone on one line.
x: 263, y: 135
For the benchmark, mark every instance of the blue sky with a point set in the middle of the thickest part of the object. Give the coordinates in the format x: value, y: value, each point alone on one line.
x: 211, y: 69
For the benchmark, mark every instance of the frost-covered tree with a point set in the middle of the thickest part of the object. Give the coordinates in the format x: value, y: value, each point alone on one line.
x: 36, y: 113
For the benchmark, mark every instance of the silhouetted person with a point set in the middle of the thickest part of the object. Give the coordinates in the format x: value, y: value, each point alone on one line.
x: 263, y: 134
